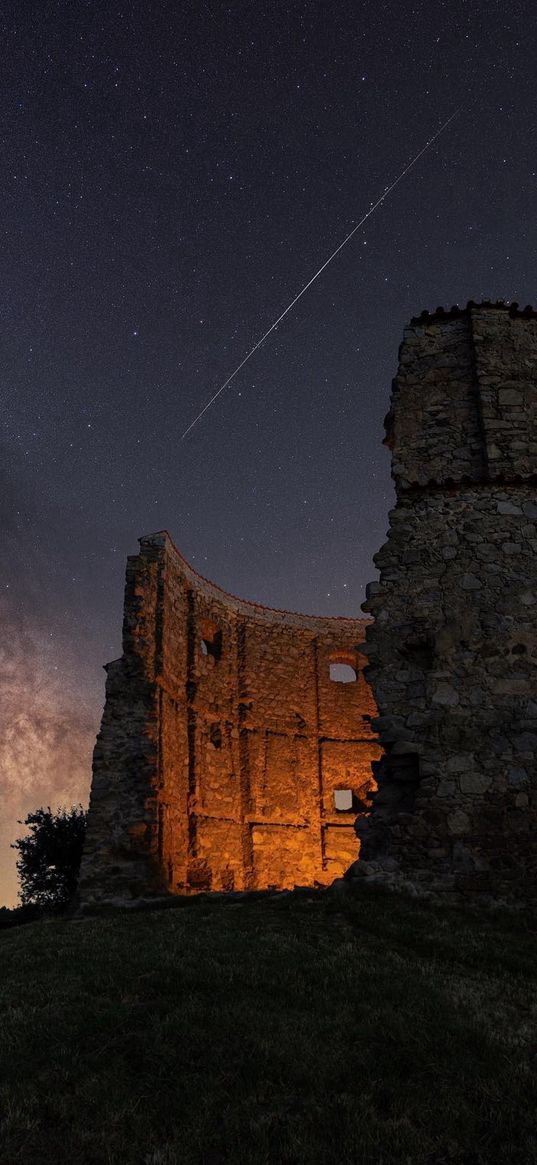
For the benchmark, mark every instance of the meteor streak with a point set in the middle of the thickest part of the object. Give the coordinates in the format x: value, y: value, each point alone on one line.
x: 321, y: 269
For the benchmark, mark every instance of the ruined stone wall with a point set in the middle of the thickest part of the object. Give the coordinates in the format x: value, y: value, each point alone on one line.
x: 223, y: 741
x: 453, y: 649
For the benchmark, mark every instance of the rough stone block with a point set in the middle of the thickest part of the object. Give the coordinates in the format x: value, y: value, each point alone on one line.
x: 474, y: 784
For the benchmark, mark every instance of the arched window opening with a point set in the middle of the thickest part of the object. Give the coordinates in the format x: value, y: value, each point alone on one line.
x: 342, y: 673
x: 343, y: 800
x: 344, y: 666
x: 211, y: 639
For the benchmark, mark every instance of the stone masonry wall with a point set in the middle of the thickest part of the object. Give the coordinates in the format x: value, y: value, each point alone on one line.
x: 223, y: 741
x: 453, y: 649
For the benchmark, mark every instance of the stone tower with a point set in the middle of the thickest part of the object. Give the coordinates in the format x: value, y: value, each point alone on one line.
x: 231, y: 755
x: 453, y: 648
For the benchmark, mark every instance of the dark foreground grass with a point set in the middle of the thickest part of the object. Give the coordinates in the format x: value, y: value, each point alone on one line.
x: 301, y: 1029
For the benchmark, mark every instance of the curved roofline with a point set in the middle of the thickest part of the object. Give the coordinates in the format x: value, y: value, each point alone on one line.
x: 162, y: 537
x: 442, y: 314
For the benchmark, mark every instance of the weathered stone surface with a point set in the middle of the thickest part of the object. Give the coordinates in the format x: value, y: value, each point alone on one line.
x: 455, y: 631
x: 223, y: 741
x: 474, y: 784
x: 508, y: 508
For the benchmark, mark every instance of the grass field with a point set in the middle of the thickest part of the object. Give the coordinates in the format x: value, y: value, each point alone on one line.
x: 305, y: 1028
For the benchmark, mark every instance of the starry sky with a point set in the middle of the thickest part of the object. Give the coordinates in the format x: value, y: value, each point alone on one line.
x: 172, y: 175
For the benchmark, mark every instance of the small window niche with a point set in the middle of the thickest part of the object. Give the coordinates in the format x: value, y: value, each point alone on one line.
x: 420, y: 651
x: 215, y: 735
x: 210, y: 639
x: 343, y: 668
x: 343, y: 800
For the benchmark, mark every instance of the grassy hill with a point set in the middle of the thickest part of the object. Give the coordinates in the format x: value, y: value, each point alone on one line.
x: 300, y: 1028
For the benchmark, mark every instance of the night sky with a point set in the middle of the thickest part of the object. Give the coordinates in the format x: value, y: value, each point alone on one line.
x: 173, y: 174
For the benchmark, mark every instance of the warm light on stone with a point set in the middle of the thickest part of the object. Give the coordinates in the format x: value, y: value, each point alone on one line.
x: 224, y: 741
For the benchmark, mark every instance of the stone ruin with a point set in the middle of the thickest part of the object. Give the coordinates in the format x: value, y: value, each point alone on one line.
x: 453, y: 647
x: 228, y: 757
x: 231, y: 755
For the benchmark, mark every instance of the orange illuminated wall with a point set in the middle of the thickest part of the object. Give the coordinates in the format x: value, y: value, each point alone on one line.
x: 228, y: 730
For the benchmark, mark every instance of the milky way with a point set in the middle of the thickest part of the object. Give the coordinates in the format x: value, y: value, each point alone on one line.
x: 47, y: 723
x: 46, y: 733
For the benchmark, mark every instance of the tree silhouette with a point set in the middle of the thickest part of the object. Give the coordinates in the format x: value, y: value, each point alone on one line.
x: 49, y: 857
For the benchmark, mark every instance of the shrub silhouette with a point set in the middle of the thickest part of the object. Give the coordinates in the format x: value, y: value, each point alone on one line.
x: 49, y: 856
